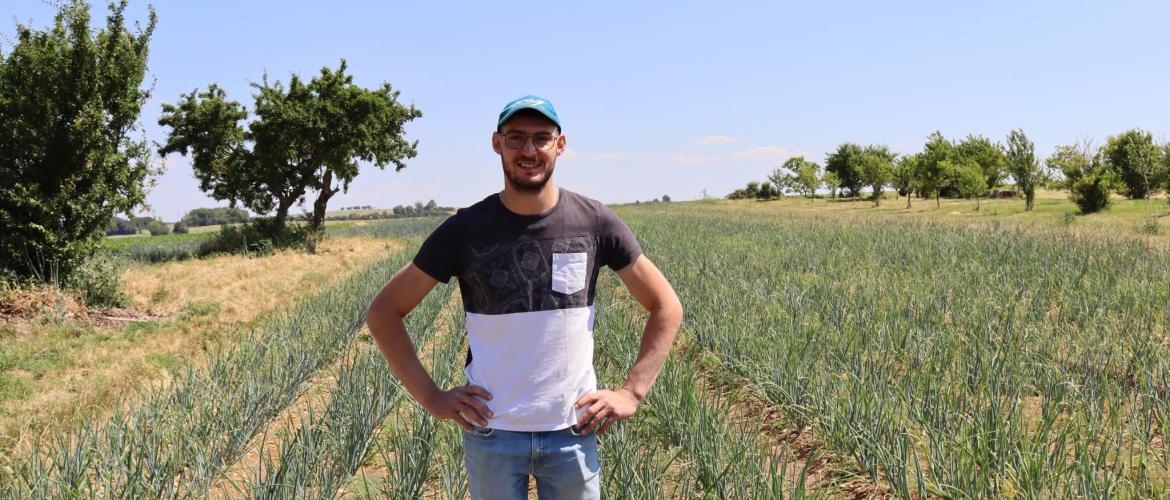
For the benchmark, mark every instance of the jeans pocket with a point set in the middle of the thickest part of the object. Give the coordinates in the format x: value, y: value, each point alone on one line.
x: 478, y: 431
x: 568, y: 272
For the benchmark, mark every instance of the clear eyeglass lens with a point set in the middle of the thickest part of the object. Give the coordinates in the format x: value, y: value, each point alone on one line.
x: 516, y: 141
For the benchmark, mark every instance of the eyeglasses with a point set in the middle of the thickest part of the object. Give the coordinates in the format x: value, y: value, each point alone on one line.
x: 516, y: 140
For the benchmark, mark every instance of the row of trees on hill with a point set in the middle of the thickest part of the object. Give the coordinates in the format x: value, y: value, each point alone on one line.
x: 73, y: 153
x: 1130, y: 163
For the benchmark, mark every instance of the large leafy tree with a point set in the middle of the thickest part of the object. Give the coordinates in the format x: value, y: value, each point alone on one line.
x: 306, y: 136
x: 70, y: 98
x: 988, y: 155
x: 877, y: 169
x: 845, y: 164
x: 967, y: 177
x: 1020, y: 156
x: 1136, y: 160
x: 933, y: 176
x: 907, y: 175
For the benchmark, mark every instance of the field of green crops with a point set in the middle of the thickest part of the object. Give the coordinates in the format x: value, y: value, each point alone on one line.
x: 821, y: 355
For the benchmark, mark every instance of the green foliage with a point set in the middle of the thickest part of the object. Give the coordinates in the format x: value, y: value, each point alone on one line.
x: 797, y: 174
x: 97, y: 281
x: 877, y: 169
x: 215, y: 216
x: 933, y: 177
x: 180, y: 228
x: 1136, y: 161
x: 831, y: 181
x: 70, y: 96
x: 967, y: 177
x: 306, y: 136
x: 988, y: 155
x: 158, y: 228
x: 1088, y: 180
x: 262, y: 236
x: 907, y: 175
x: 1021, y: 164
x: 845, y: 164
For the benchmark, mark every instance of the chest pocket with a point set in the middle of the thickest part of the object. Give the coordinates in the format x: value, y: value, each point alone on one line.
x: 569, y: 272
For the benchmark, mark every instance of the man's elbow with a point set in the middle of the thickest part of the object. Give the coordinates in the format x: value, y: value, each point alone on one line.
x: 670, y: 309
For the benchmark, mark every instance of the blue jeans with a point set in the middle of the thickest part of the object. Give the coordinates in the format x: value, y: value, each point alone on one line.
x: 499, y: 462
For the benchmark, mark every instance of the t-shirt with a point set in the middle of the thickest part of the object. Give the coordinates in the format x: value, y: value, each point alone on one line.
x: 528, y: 283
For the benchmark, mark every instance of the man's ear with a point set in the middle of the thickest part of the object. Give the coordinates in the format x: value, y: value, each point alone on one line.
x: 496, y: 143
x: 561, y: 144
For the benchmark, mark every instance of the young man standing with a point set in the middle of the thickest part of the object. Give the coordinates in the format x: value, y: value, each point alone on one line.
x: 527, y: 260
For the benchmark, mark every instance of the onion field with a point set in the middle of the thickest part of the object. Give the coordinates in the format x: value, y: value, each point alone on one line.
x: 821, y: 356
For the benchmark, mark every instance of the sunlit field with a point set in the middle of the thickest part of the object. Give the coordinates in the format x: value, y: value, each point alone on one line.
x: 829, y: 349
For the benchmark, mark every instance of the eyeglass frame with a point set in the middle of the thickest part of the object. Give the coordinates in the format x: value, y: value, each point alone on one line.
x: 527, y: 138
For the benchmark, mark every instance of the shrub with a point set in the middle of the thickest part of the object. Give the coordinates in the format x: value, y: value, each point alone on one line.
x: 180, y: 228
x: 97, y: 281
x: 261, y: 237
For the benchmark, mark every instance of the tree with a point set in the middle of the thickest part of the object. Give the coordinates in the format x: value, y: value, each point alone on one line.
x: 968, y: 177
x: 988, y: 155
x: 1088, y: 180
x: 306, y: 136
x: 180, y: 228
x: 831, y: 181
x: 933, y: 177
x: 158, y: 228
x: 1021, y: 164
x: 845, y: 163
x: 907, y: 175
x: 214, y: 216
x: 797, y: 174
x: 70, y: 97
x: 1136, y: 160
x: 665, y: 197
x: 877, y: 166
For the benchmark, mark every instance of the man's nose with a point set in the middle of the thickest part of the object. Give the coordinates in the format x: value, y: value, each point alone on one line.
x: 529, y: 147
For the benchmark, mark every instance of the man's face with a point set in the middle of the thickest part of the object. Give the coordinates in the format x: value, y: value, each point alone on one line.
x: 528, y: 168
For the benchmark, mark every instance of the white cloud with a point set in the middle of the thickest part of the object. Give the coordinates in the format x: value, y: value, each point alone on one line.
x: 763, y: 152
x: 714, y: 139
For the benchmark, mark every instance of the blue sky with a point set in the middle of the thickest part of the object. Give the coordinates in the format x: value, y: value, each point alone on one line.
x: 673, y: 97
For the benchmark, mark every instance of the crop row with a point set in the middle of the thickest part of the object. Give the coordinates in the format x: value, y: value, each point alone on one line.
x: 173, y: 442
x: 942, y: 360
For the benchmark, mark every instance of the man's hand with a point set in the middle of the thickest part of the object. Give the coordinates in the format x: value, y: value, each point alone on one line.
x: 607, y: 407
x: 461, y: 405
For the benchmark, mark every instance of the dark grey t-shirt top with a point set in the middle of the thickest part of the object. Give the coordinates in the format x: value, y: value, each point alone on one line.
x: 528, y: 284
x: 505, y: 261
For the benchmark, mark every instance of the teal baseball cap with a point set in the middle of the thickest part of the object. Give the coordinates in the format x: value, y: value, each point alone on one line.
x: 540, y: 104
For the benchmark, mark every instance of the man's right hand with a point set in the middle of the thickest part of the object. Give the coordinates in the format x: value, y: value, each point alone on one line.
x: 461, y: 405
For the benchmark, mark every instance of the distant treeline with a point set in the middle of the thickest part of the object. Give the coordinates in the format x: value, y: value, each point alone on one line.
x: 1131, y: 164
x: 215, y: 216
x: 120, y: 226
x: 419, y: 209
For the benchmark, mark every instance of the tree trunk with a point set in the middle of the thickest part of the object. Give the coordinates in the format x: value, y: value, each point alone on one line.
x: 1029, y: 199
x: 282, y: 212
x: 907, y: 200
x: 976, y: 203
x: 319, y: 205
x: 937, y: 195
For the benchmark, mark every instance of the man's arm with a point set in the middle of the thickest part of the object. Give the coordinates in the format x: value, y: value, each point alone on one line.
x: 650, y: 288
x: 384, y: 318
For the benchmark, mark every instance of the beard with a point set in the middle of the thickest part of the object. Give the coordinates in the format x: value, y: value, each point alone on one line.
x: 526, y: 184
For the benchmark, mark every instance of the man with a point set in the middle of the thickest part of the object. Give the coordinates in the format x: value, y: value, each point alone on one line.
x: 527, y: 259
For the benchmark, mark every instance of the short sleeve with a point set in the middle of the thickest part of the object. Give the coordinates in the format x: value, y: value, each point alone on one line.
x: 618, y: 247
x: 440, y: 255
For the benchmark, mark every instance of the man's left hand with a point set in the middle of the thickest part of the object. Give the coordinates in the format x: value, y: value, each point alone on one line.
x: 605, y: 408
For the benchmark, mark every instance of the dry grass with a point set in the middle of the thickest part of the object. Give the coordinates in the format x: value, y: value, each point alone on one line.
x: 204, y: 303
